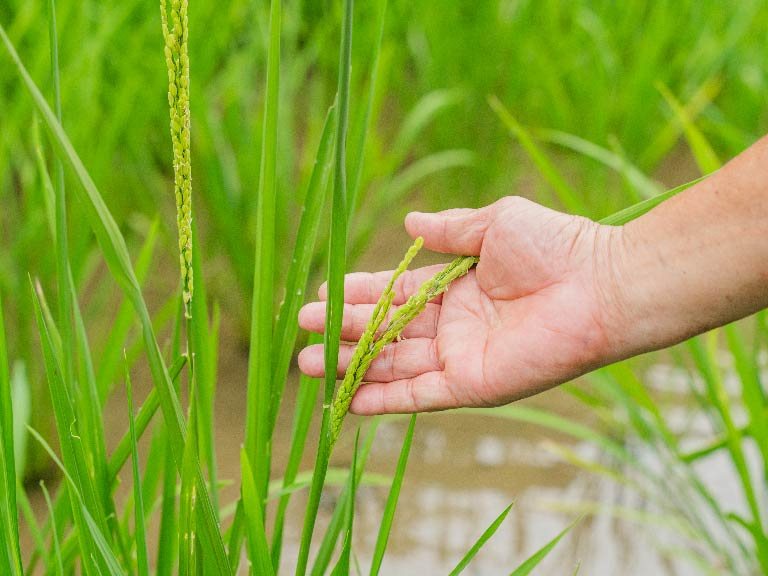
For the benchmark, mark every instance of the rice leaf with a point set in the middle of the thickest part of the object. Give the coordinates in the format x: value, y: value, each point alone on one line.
x: 569, y: 198
x: 705, y: 156
x: 97, y: 549
x: 358, y: 160
x: 637, y: 210
x: 394, y: 494
x: 343, y: 564
x: 527, y: 567
x: 123, y: 450
x: 116, y: 255
x: 487, y: 535
x: 306, y: 401
x: 138, y: 502
x: 59, y: 565
x: 336, y: 268
x: 298, y: 273
x: 110, y: 354
x: 65, y: 420
x: 258, y: 549
x: 335, y: 526
x: 9, y: 515
x: 258, y: 431
x: 645, y: 186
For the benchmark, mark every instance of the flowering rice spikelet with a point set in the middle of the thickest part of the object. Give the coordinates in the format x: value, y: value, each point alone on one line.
x: 176, y: 34
x: 372, y: 342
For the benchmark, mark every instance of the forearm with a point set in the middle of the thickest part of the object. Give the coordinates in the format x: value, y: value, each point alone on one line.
x: 698, y: 261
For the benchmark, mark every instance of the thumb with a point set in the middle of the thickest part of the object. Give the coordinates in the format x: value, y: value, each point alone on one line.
x: 456, y: 231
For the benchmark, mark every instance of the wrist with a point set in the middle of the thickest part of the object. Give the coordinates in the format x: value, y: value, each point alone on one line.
x: 624, y: 292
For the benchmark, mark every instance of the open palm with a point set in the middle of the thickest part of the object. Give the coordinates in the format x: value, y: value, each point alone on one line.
x: 527, y: 318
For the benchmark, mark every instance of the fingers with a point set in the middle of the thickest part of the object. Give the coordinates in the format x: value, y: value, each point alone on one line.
x: 423, y: 393
x: 366, y: 287
x: 456, y: 231
x: 405, y: 359
x: 356, y: 317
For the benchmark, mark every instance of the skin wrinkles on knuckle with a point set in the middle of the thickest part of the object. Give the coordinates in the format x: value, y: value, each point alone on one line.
x: 412, y: 395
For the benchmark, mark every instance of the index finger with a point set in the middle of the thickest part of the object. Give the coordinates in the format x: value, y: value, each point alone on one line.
x: 366, y: 287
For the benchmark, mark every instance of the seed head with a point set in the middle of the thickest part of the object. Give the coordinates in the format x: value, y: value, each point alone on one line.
x: 176, y: 33
x: 372, y: 342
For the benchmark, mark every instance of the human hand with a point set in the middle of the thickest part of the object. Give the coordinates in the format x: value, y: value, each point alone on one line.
x: 530, y: 316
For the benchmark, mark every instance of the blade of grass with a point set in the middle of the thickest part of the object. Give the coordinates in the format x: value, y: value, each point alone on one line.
x: 645, y: 186
x: 98, y: 548
x: 115, y: 253
x: 304, y: 407
x: 567, y: 196
x: 258, y: 431
x: 147, y: 411
x: 705, y: 156
x: 637, y: 210
x: 394, y: 494
x: 335, y: 526
x: 110, y: 355
x: 8, y: 505
x: 65, y: 420
x: 258, y: 549
x: 343, y: 564
x: 140, y: 529
x: 487, y: 535
x: 59, y: 565
x: 527, y: 567
x: 205, y: 345
x: 336, y: 269
x: 188, y: 557
x: 356, y: 169
x: 298, y: 272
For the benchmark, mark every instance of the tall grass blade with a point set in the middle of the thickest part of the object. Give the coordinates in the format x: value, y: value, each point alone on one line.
x: 487, y: 535
x: 394, y: 495
x: 527, y: 567
x: 65, y: 420
x: 641, y: 183
x: 336, y: 268
x: 358, y: 160
x: 336, y: 525
x: 306, y: 401
x: 59, y: 564
x: 97, y: 549
x: 567, y: 196
x: 9, y: 515
x: 140, y: 530
x: 636, y: 210
x: 298, y: 273
x: 188, y: 557
x: 115, y: 253
x: 143, y: 418
x: 705, y: 156
x: 258, y: 431
x: 343, y: 564
x: 258, y: 549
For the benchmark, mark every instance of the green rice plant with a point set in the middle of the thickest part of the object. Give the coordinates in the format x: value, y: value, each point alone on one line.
x: 95, y: 529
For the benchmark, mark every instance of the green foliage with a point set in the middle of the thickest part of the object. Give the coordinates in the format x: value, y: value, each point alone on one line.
x: 410, y: 100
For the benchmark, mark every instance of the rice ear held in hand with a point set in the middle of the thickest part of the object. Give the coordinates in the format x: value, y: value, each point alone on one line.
x: 372, y: 342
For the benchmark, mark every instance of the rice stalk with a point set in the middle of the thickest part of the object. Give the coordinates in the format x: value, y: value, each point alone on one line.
x: 176, y: 34
x: 372, y: 343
